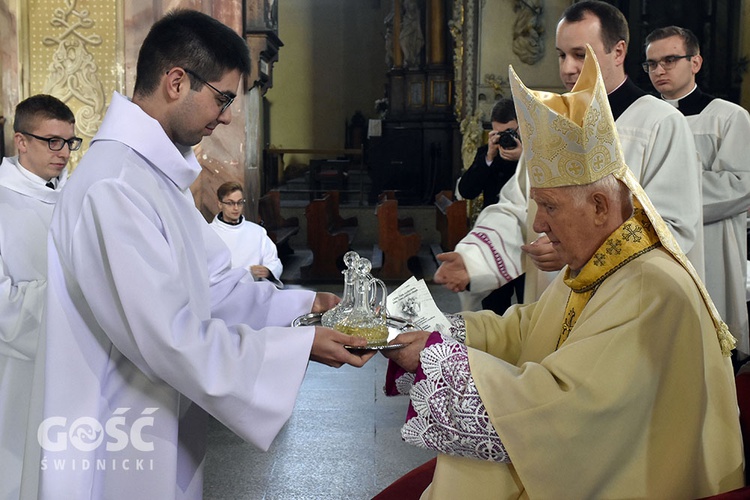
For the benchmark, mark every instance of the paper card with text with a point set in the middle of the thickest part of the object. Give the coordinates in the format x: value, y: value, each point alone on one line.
x: 413, y: 302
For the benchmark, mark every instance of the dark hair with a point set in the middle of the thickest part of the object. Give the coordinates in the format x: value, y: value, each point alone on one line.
x: 692, y: 46
x: 40, y: 107
x: 228, y: 188
x: 503, y: 111
x: 614, y: 26
x: 193, y: 40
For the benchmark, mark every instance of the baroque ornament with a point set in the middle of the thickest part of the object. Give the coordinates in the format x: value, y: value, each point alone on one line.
x: 528, y: 31
x: 72, y: 72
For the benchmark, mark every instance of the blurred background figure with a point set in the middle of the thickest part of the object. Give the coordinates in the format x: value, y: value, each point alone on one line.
x: 249, y: 243
x: 494, y: 164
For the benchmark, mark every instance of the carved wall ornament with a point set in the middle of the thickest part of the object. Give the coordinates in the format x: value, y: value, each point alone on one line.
x: 455, y: 27
x: 463, y: 29
x: 498, y: 83
x: 471, y: 132
x: 72, y: 73
x: 528, y: 31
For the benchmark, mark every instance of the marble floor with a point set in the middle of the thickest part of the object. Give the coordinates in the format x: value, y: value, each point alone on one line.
x: 343, y: 439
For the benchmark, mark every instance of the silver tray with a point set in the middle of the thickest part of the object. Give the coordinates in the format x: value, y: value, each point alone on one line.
x: 395, y: 326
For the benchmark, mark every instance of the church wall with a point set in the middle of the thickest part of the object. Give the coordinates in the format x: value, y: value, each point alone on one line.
x: 82, y: 51
x: 331, y: 65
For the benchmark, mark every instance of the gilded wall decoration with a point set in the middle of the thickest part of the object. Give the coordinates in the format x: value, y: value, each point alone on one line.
x: 463, y: 29
x: 528, y: 31
x: 463, y: 26
x: 499, y: 85
x: 75, y: 54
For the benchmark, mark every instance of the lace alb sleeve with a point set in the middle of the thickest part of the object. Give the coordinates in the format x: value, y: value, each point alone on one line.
x: 446, y: 413
x: 398, y: 382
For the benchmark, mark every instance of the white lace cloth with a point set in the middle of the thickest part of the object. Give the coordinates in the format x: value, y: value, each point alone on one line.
x: 450, y: 416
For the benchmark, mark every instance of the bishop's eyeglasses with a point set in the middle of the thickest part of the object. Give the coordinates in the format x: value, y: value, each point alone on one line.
x: 57, y: 143
x: 667, y: 63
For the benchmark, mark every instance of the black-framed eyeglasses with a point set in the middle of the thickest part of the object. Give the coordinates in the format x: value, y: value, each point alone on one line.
x: 666, y: 62
x: 230, y: 203
x: 226, y: 99
x: 57, y: 143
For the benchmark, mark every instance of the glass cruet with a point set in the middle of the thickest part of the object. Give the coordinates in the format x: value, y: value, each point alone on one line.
x: 363, y: 320
x: 337, y: 312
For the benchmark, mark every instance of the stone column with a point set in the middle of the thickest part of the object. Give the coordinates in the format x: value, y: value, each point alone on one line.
x: 254, y: 151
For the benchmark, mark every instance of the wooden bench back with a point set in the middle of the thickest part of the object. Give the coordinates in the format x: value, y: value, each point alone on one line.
x: 450, y: 220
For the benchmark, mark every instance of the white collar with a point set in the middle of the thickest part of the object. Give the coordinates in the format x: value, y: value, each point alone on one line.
x: 32, y: 176
x: 676, y: 102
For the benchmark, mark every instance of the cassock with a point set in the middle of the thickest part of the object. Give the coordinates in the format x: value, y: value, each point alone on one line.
x: 26, y: 206
x: 721, y: 130
x: 660, y: 151
x: 149, y: 329
x: 249, y: 245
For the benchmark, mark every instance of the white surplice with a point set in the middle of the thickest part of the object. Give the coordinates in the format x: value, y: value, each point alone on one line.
x: 722, y: 139
x: 149, y: 328
x: 250, y: 245
x: 26, y: 206
x: 658, y: 148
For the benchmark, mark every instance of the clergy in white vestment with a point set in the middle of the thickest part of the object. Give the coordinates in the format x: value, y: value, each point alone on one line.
x: 618, y: 382
x: 30, y: 183
x: 248, y: 242
x: 658, y: 148
x: 722, y: 139
x: 149, y: 329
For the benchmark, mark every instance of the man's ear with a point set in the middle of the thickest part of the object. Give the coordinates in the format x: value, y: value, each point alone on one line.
x: 602, y: 208
x: 621, y: 50
x: 20, y: 141
x: 176, y: 82
x: 696, y: 62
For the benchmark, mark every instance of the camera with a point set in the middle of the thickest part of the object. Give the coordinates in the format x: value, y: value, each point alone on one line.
x: 507, y: 139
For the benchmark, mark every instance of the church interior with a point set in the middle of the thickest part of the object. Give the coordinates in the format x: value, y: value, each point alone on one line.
x: 351, y: 131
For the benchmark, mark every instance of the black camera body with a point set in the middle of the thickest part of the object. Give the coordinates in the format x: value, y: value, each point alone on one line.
x: 507, y: 139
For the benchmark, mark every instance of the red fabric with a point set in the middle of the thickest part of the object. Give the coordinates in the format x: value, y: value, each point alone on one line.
x: 411, y: 485
x: 743, y: 398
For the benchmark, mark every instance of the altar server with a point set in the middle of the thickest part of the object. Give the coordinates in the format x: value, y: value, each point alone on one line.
x: 30, y: 183
x: 149, y: 330
x: 722, y: 137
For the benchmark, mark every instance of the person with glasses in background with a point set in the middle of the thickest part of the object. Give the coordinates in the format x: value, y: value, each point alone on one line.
x: 30, y: 183
x: 658, y: 148
x: 722, y: 138
x: 149, y: 328
x: 249, y: 243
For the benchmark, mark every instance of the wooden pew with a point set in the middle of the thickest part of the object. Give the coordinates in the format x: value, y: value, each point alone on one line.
x: 450, y: 220
x: 398, y: 241
x: 279, y: 229
x: 329, y: 236
x: 336, y: 222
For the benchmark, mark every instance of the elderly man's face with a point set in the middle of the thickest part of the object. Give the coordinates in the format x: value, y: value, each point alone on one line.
x: 570, y: 225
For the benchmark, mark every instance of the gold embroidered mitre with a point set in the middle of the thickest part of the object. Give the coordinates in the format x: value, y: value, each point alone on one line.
x: 571, y: 140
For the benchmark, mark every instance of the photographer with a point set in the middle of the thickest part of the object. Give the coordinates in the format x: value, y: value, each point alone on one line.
x: 496, y: 161
x: 493, y: 165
